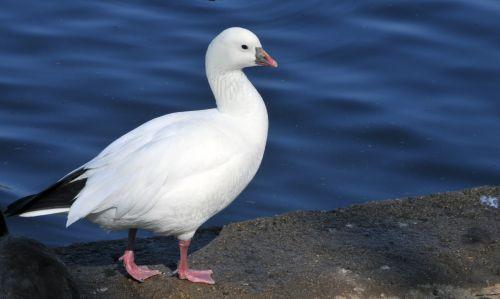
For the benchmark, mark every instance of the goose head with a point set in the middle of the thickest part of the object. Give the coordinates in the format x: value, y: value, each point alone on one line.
x: 237, y: 48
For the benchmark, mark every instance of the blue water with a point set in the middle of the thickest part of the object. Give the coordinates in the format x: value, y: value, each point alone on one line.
x: 372, y: 99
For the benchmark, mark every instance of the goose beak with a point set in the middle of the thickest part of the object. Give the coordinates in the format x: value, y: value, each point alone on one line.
x: 264, y: 59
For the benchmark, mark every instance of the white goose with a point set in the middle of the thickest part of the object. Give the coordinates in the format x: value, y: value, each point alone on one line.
x: 173, y: 173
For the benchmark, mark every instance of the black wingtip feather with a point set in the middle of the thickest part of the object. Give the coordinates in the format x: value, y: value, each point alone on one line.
x: 18, y: 205
x: 60, y: 195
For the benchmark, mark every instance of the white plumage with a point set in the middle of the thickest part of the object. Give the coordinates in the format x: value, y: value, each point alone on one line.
x: 173, y: 173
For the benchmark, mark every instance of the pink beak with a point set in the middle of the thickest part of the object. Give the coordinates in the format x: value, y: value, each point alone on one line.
x: 264, y: 59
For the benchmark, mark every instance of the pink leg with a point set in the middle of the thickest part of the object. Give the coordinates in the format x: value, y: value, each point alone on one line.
x: 139, y: 273
x: 203, y: 276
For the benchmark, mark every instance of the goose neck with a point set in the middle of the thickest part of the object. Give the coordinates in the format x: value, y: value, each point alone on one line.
x: 233, y: 92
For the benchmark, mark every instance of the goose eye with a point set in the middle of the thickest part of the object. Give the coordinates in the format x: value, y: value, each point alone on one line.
x: 244, y: 47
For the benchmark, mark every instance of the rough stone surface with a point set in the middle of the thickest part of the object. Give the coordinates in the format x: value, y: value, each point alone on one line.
x: 28, y: 269
x: 438, y: 246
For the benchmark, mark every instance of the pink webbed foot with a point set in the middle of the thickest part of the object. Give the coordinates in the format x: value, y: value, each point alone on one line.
x: 202, y: 276
x: 139, y: 273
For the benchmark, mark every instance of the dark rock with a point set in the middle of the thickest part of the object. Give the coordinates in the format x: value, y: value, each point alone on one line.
x: 3, y: 226
x: 28, y: 269
x: 478, y: 235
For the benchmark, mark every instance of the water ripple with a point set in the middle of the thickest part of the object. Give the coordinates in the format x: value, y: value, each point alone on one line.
x: 371, y: 100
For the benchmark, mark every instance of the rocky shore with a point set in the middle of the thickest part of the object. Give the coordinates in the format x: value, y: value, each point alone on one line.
x: 437, y: 246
